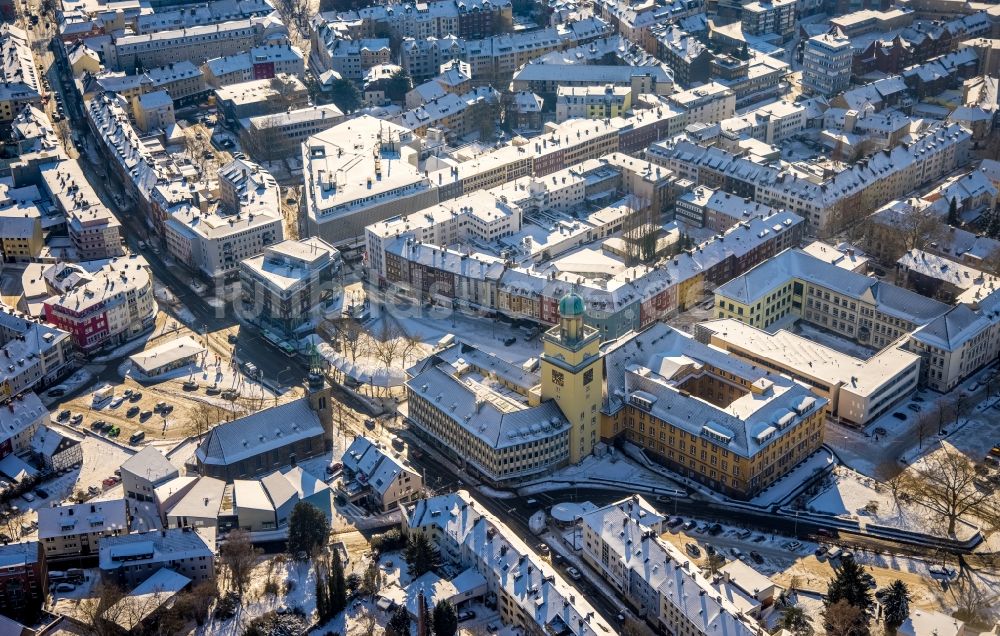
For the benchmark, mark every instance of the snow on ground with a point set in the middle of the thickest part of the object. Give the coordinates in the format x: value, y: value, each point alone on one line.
x: 612, y: 466
x: 70, y: 384
x: 851, y: 495
x: 782, y: 489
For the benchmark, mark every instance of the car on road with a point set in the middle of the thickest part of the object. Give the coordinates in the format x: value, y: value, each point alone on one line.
x: 509, y: 341
x: 899, y: 416
x: 736, y: 552
x: 56, y: 391
x: 65, y: 587
x: 692, y: 549
x: 573, y: 573
x: 250, y: 369
x: 793, y: 545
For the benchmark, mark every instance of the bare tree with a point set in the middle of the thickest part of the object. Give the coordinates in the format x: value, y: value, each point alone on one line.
x: 102, y: 610
x: 352, y: 337
x: 368, y: 622
x: 973, y: 599
x: 914, y: 228
x: 199, y: 150
x: 388, y: 346
x: 944, y: 483
x: 203, y: 417
x: 844, y: 619
x: 238, y: 557
x: 286, y: 93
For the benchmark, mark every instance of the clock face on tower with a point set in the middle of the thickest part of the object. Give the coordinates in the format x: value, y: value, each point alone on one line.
x: 558, y: 378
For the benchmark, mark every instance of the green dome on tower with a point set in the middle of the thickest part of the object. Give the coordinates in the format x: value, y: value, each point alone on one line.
x: 571, y: 305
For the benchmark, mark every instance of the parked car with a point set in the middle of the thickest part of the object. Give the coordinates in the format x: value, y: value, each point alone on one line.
x: 132, y: 411
x: 509, y: 341
x: 692, y: 549
x: 94, y: 490
x: 28, y: 497
x: 820, y: 552
x: 674, y: 522
x: 899, y: 416
x: 116, y: 402
x: 135, y: 397
x: 716, y: 529
x: 42, y: 493
x: 56, y: 391
x: 573, y: 573
x: 913, y: 407
x: 757, y: 558
x: 63, y: 415
x: 466, y: 615
x: 689, y: 525
x: 137, y: 437
x: 76, y: 419
x: 65, y: 587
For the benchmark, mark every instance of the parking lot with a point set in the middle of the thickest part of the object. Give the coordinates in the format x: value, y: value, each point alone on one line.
x: 795, y: 563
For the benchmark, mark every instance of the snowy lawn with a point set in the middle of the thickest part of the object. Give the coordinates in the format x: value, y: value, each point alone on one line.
x: 854, y: 496
x: 612, y: 466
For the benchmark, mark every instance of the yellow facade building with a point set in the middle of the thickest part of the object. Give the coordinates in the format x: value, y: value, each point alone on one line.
x: 572, y: 375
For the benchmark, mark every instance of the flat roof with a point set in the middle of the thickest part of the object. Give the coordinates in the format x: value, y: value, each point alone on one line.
x: 170, y: 352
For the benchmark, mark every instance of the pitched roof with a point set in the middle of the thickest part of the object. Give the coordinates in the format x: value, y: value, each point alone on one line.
x: 259, y: 432
x: 150, y: 464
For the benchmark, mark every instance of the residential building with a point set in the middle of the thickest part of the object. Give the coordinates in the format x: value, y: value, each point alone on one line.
x: 548, y: 78
x: 93, y: 229
x: 707, y: 415
x: 38, y: 354
x: 957, y: 343
x: 259, y: 443
x: 57, y: 449
x: 592, y: 102
x: 771, y: 124
x: 854, y: 306
x: 283, y: 288
x: 455, y: 115
x: 529, y: 593
x: 76, y: 530
x: 682, y: 52
x: 708, y: 104
x: 143, y: 472
x: 261, y: 97
x: 21, y: 85
x: 260, y: 62
x: 857, y: 390
x: 200, y: 506
x: 826, y: 64
x: 182, y: 79
x: 153, y: 111
x: 129, y: 559
x: 142, y: 605
x: 195, y: 44
x: 437, y: 19
x: 280, y: 135
x: 356, y: 174
x: 944, y: 279
x: 718, y: 210
x: 23, y: 579
x: 109, y: 308
x: 928, y: 622
x: 21, y: 238
x: 621, y: 542
x: 832, y: 200
x: 380, y: 482
x: 21, y: 416
x: 765, y: 17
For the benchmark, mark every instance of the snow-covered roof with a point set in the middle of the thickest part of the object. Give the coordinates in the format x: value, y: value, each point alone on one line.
x: 157, y: 546
x: 259, y: 432
x: 201, y: 501
x: 372, y: 466
x: 92, y: 517
x: 655, y: 363
x: 146, y: 598
x: 151, y: 465
x: 166, y: 353
x: 953, y: 329
x: 539, y: 591
x: 19, y: 413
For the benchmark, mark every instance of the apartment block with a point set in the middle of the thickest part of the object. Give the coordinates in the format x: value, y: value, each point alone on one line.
x: 260, y: 62
x: 94, y: 231
x: 21, y: 85
x: 280, y: 136
x: 529, y: 593
x: 76, y: 530
x: 38, y: 353
x: 283, y: 287
x: 765, y: 17
x: 130, y: 559
x: 826, y: 64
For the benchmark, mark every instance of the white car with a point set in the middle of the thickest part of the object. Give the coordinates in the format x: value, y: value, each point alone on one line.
x: 573, y: 573
x: 116, y: 402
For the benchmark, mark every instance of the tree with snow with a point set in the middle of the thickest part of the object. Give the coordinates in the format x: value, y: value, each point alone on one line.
x: 445, y: 619
x: 895, y: 604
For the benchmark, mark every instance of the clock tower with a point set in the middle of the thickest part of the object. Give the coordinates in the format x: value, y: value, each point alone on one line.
x: 573, y: 376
